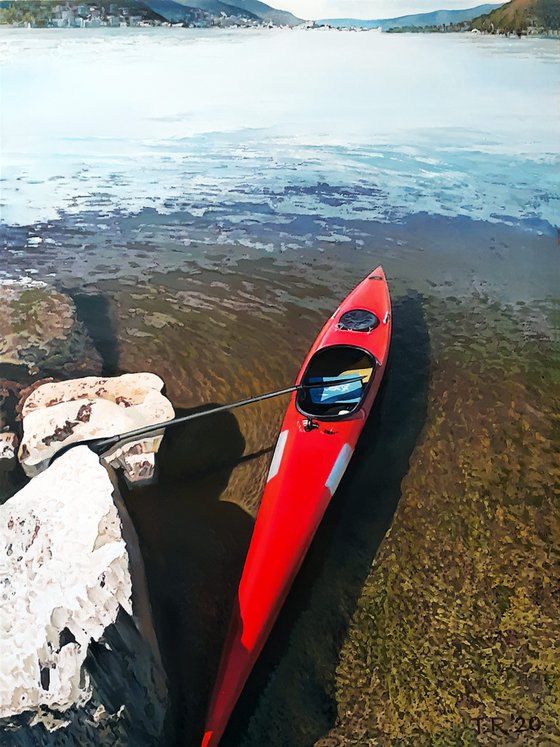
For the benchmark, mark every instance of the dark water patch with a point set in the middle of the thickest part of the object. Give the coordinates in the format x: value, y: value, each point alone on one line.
x: 15, y: 372
x: 12, y: 479
x: 13, y: 378
x: 289, y: 699
x: 95, y: 313
x: 193, y: 546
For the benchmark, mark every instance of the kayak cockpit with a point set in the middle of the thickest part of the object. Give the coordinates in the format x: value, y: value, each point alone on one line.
x: 346, y: 372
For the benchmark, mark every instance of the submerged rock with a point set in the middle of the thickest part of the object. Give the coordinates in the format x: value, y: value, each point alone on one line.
x: 62, y: 413
x: 74, y: 659
x: 39, y: 330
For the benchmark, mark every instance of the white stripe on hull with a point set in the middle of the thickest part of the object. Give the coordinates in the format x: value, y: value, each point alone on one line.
x: 339, y: 468
x: 278, y: 453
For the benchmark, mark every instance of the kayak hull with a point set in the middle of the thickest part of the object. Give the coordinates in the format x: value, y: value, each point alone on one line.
x: 310, y: 458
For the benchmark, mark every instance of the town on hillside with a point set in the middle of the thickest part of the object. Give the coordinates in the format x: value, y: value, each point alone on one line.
x: 86, y: 15
x: 34, y: 14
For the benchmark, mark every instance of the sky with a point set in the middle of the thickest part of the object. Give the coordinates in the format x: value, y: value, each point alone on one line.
x: 313, y: 9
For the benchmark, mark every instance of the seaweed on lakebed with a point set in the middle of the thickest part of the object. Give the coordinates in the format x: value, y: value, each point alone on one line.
x: 459, y: 617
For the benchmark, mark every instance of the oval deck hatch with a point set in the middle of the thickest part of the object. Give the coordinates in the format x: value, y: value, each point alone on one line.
x: 358, y: 320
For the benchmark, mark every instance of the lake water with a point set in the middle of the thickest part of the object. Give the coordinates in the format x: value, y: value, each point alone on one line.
x: 207, y: 198
x: 263, y: 125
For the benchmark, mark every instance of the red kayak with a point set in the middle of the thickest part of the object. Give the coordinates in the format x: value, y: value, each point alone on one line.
x: 338, y: 383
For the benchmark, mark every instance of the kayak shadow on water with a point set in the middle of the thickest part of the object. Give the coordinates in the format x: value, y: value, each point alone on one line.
x: 288, y: 700
x: 193, y: 546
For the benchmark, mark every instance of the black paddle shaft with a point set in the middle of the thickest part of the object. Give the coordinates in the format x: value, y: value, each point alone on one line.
x: 100, y: 445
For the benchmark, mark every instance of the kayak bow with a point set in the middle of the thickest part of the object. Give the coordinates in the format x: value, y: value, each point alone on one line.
x: 317, y: 440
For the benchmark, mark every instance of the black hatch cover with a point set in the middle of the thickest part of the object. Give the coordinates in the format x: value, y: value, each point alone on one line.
x: 358, y: 320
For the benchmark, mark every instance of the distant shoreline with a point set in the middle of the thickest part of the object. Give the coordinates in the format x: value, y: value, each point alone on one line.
x: 552, y: 35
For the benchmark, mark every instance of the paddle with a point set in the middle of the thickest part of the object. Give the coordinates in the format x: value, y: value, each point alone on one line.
x: 100, y: 445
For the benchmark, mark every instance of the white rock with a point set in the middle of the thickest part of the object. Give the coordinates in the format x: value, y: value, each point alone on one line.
x: 126, y: 390
x: 58, y: 414
x: 138, y: 467
x: 64, y: 574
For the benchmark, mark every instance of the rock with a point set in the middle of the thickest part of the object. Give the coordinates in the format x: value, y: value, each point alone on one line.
x: 126, y: 390
x: 58, y: 414
x: 64, y: 574
x: 74, y: 659
x: 39, y: 329
x: 25, y: 393
x: 8, y: 448
x: 138, y: 462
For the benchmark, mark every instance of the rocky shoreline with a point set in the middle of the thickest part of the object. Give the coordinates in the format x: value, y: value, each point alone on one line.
x: 80, y: 663
x: 80, y: 660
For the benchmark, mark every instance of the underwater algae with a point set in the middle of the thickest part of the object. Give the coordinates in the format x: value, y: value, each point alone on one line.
x: 424, y: 634
x: 458, y: 622
x: 457, y: 617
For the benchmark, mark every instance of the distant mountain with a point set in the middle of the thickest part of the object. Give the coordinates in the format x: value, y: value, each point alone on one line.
x: 215, y: 7
x: 266, y: 13
x: 247, y: 10
x: 521, y: 16
x: 174, y: 12
x: 435, y: 18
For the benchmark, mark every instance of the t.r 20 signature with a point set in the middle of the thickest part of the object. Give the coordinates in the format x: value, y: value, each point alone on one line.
x: 515, y: 725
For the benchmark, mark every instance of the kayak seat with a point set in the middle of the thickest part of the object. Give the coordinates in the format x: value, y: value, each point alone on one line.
x: 365, y: 373
x: 336, y: 364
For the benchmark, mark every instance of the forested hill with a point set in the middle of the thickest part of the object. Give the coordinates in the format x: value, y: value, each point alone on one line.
x: 520, y: 17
